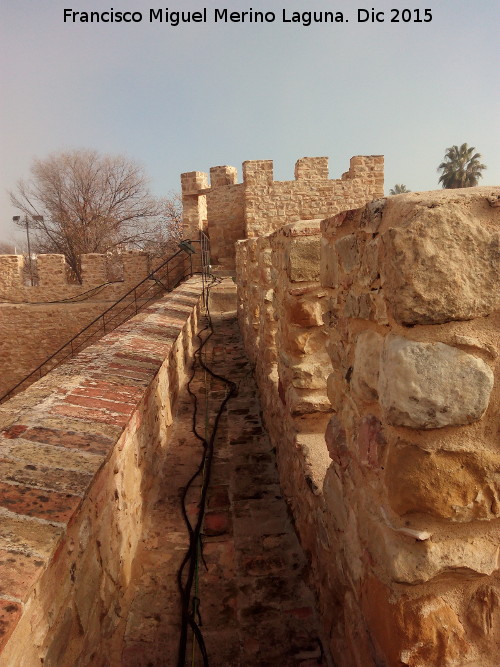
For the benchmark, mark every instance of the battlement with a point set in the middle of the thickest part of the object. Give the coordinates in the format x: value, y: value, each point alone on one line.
x: 232, y: 211
x: 52, y: 271
x: 260, y: 172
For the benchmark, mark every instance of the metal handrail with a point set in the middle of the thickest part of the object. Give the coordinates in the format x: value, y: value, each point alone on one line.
x: 137, y: 304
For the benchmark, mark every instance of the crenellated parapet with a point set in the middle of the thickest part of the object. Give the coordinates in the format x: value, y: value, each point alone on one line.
x: 53, y: 279
x: 233, y: 211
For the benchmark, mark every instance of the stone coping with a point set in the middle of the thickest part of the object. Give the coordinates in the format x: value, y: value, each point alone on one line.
x: 57, y: 434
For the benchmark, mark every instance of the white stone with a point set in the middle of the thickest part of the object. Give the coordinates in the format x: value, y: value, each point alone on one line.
x: 431, y: 385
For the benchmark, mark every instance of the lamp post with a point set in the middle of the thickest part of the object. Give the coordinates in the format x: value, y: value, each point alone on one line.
x: 36, y: 218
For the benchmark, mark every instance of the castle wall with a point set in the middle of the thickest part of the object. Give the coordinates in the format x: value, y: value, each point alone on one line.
x: 260, y: 205
x: 77, y: 453
x: 32, y: 327
x: 376, y: 350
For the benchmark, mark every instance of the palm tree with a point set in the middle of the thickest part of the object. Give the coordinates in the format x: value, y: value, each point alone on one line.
x: 398, y: 189
x: 461, y: 167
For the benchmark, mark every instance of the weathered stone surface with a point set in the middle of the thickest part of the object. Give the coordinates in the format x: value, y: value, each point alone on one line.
x: 408, y: 560
x: 371, y: 442
x: 303, y: 259
x: 366, y: 365
x: 431, y: 385
x: 348, y: 252
x: 372, y: 215
x: 422, y: 632
x: 460, y: 486
x: 440, y: 264
x: 483, y: 610
x: 305, y: 313
x: 329, y: 264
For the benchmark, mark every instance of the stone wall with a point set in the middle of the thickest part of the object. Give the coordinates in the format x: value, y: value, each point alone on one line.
x: 36, y: 320
x: 77, y: 452
x: 260, y: 205
x: 391, y: 313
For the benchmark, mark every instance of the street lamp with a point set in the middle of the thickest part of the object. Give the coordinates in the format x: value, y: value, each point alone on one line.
x: 36, y: 218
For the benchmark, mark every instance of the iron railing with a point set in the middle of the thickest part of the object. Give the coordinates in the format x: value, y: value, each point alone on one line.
x: 168, y: 275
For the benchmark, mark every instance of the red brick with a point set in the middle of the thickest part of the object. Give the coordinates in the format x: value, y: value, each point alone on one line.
x: 49, y: 505
x: 18, y: 573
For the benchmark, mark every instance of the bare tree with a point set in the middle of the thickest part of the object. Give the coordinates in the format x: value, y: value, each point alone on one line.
x: 85, y: 202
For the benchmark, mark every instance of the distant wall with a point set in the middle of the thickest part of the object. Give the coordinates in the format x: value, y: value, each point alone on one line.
x: 32, y: 328
x: 375, y: 336
x: 260, y: 205
x: 77, y: 456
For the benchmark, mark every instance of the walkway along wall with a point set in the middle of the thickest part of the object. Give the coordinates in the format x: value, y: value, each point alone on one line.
x: 77, y: 455
x: 374, y: 335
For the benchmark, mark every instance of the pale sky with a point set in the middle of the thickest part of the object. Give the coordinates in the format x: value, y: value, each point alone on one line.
x: 198, y: 95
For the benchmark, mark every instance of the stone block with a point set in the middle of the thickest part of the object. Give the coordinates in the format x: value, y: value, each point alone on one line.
x: 348, y: 253
x: 442, y: 265
x: 303, y: 259
x: 417, y: 632
x: 460, y: 486
x: 371, y: 217
x: 305, y: 313
x: 431, y: 385
x: 329, y: 264
x: 366, y: 365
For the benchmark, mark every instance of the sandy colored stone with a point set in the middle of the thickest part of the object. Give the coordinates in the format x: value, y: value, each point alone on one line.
x: 441, y: 261
x: 431, y: 385
x: 423, y: 632
x: 348, y: 252
x: 366, y: 365
x: 303, y: 259
x: 460, y: 486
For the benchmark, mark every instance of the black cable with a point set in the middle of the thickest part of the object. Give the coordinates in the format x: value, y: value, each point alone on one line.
x: 70, y: 299
x: 190, y: 558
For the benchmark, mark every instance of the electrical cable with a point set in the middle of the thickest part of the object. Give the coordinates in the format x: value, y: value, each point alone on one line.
x: 70, y: 299
x: 191, y: 617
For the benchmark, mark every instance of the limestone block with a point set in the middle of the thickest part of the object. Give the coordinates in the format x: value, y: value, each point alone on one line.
x: 371, y: 442
x: 431, y: 385
x: 460, y: 486
x: 336, y: 389
x: 348, y: 252
x: 408, y: 560
x: 336, y: 442
x: 442, y: 266
x: 369, y: 270
x: 303, y: 259
x: 414, y: 632
x: 366, y: 365
x: 311, y: 374
x: 329, y: 265
x: 304, y: 313
x: 371, y: 217
x: 483, y: 610
x: 306, y: 401
x: 367, y: 306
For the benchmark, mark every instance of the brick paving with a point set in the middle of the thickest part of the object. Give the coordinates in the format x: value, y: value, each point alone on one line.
x: 256, y: 606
